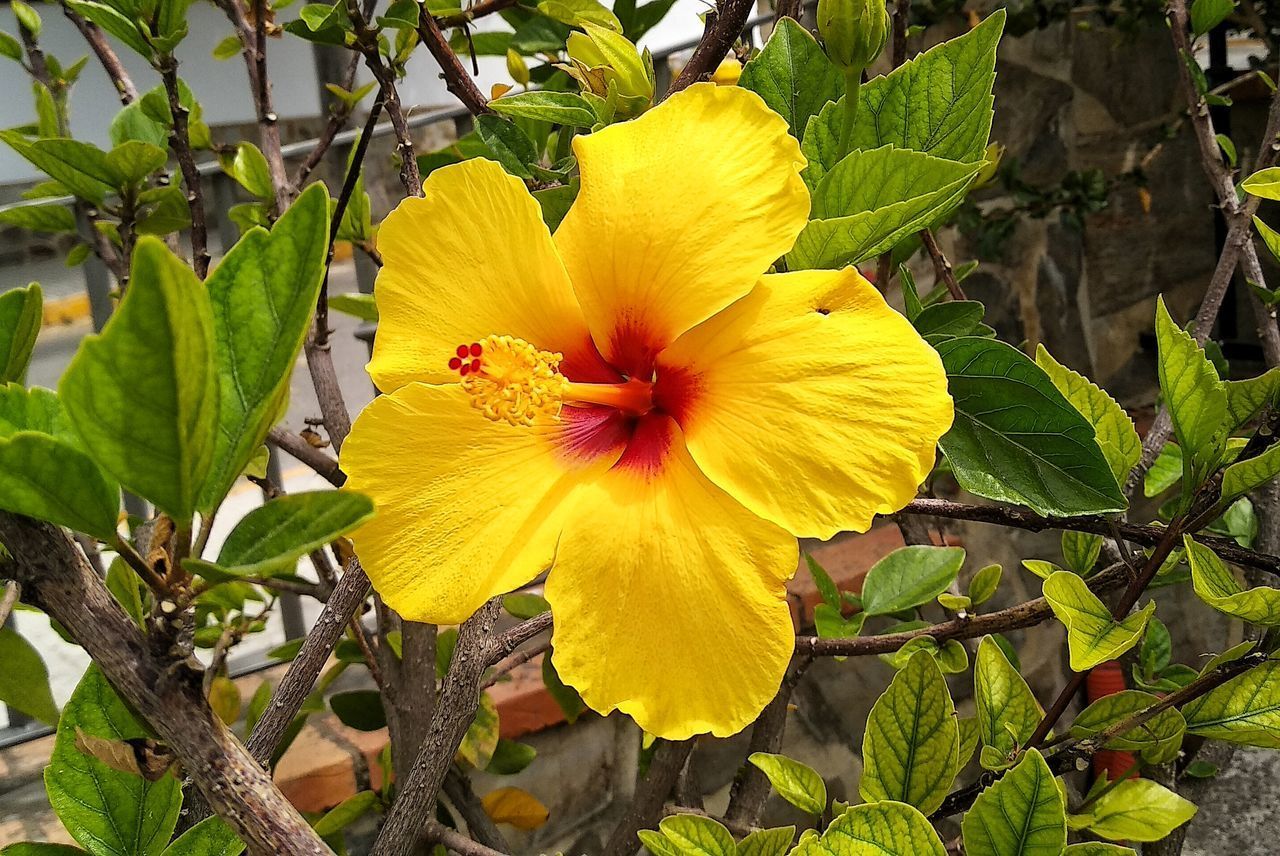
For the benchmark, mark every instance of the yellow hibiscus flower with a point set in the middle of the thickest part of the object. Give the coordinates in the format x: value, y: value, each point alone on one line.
x: 634, y: 406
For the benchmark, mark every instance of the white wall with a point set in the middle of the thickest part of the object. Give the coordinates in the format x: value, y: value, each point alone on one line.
x: 222, y: 86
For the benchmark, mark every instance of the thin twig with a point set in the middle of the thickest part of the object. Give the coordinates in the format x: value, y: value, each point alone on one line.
x: 456, y: 79
x: 1147, y: 536
x: 453, y: 840
x: 505, y: 667
x: 717, y: 40
x: 102, y: 49
x: 942, y: 265
x: 338, y: 118
x: 304, y: 452
x: 180, y: 140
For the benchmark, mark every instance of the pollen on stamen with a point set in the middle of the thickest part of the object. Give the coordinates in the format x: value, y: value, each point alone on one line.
x: 514, y: 382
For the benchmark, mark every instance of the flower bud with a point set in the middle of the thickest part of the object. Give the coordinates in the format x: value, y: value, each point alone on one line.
x: 517, y: 68
x: 854, y: 31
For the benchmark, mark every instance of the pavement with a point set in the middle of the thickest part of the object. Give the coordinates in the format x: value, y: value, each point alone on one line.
x: 54, y: 350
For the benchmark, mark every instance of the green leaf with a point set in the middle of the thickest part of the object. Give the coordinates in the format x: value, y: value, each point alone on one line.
x: 481, y: 739
x: 823, y: 583
x: 143, y: 394
x: 1247, y: 398
x: 950, y: 319
x: 1135, y: 810
x: 1008, y: 712
x: 1022, y: 813
x: 874, y: 199
x: 262, y: 294
x: 39, y: 216
x: 940, y: 103
x: 1113, y: 428
x: 1097, y: 848
x: 560, y: 108
x: 209, y: 837
x: 524, y: 605
x: 1093, y: 636
x: 1080, y: 550
x: 21, y: 311
x: 11, y: 48
x: 1016, y: 438
x: 508, y: 144
x: 1195, y: 397
x: 970, y: 737
x: 27, y: 17
x: 44, y: 472
x: 1157, y: 647
x: 876, y: 829
x: 1041, y: 568
x: 24, y: 680
x: 1217, y: 586
x: 565, y: 696
x: 911, y: 743
x: 109, y: 812
x: 114, y: 22
x: 555, y: 202
x: 909, y: 577
x: 133, y: 161
x: 347, y: 812
x: 361, y: 306
x: 830, y: 623
x: 1246, y: 709
x: 510, y: 757
x: 578, y: 12
x: 767, y: 842
x: 80, y: 167
x: 694, y: 835
x: 125, y: 586
x: 658, y: 844
x: 39, y: 848
x: 1165, y: 472
x: 1201, y: 770
x: 793, y: 75
x: 270, y: 538
x: 954, y: 602
x: 359, y: 709
x: 1158, y: 739
x: 1243, y: 476
x: 797, y: 783
x: 248, y: 166
x: 984, y: 584
x: 1207, y: 14
x: 1265, y: 183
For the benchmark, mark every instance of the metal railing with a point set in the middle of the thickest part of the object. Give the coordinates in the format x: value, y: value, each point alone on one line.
x: 98, y: 286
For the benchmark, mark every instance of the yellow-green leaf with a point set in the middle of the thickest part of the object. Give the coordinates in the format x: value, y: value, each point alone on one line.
x: 1158, y: 739
x: 797, y: 783
x: 1135, y: 810
x: 1093, y: 636
x: 1246, y: 398
x: 1193, y: 393
x: 767, y: 842
x: 20, y: 316
x: 481, y: 739
x: 1246, y: 709
x: 1113, y: 428
x: 984, y: 584
x: 1217, y: 586
x: 1022, y: 813
x: 1243, y: 476
x: 694, y: 835
x: 911, y: 742
x: 1008, y: 712
x: 1264, y: 184
x: 876, y: 829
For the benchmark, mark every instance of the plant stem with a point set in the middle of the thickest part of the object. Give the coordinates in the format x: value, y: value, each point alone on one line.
x: 849, y: 114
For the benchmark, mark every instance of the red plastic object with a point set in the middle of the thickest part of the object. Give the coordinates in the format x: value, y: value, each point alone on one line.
x: 1108, y: 679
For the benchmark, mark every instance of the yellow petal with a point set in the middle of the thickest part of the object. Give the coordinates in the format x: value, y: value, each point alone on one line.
x: 466, y: 508
x: 669, y: 597
x: 470, y: 259
x: 811, y: 401
x: 679, y: 213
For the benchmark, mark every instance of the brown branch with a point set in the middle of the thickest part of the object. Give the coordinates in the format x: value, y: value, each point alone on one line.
x: 479, y: 10
x: 504, y: 667
x: 457, y: 787
x: 338, y: 118
x: 297, y: 682
x: 453, y: 840
x: 1026, y: 614
x: 180, y: 140
x: 454, y: 711
x: 167, y: 694
x: 456, y: 79
x: 942, y: 265
x: 1147, y: 536
x: 102, y: 49
x: 651, y: 794
x: 751, y: 787
x: 304, y: 452
x: 724, y: 27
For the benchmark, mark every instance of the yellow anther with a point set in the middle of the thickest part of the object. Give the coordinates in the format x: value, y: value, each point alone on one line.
x: 516, y: 382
